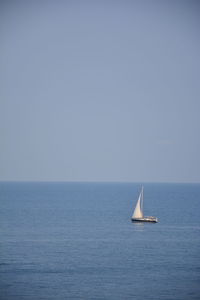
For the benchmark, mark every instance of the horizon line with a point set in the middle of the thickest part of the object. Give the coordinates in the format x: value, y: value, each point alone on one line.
x: 101, y: 181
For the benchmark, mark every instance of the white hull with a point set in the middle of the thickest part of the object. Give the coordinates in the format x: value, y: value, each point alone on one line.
x: 145, y: 219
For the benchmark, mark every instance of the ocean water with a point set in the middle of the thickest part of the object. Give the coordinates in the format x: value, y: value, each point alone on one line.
x: 76, y: 241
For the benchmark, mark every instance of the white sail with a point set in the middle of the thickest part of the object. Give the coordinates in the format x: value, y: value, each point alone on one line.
x: 138, y: 213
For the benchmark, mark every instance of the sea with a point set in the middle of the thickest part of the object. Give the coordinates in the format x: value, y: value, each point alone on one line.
x: 75, y: 240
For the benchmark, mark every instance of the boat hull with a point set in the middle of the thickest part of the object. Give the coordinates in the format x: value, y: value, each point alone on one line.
x: 145, y: 219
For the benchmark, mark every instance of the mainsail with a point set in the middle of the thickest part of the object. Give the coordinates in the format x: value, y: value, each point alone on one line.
x: 138, y: 213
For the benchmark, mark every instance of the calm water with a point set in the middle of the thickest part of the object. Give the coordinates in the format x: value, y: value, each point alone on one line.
x: 76, y: 241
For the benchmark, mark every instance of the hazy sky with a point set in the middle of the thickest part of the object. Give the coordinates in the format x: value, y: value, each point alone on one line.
x: 100, y: 90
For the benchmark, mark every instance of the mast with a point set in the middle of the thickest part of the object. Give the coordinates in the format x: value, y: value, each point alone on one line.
x: 142, y: 192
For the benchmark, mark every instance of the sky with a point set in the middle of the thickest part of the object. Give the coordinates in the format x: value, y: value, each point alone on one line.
x: 100, y: 90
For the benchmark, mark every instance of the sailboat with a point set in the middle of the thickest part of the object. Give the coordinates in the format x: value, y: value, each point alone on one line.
x: 138, y: 215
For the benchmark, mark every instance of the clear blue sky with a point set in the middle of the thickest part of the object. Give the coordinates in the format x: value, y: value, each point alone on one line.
x: 100, y: 90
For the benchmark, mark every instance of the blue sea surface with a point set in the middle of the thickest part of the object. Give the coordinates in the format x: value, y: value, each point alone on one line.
x: 77, y: 241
